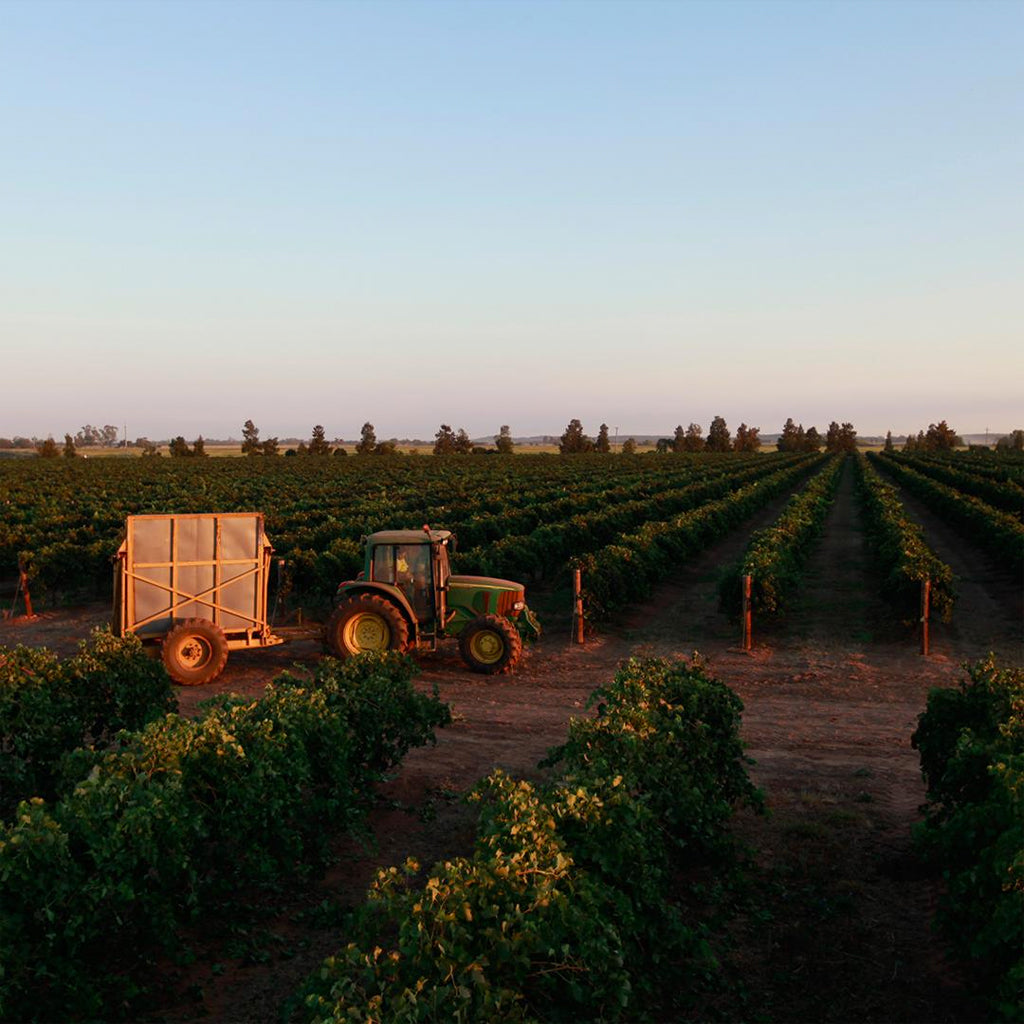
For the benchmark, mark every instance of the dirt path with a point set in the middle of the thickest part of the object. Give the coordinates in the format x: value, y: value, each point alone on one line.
x: 837, y: 601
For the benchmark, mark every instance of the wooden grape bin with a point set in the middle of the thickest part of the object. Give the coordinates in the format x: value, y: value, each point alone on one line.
x: 196, y: 584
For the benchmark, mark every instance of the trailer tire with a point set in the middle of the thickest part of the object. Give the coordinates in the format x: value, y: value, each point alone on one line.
x: 194, y: 652
x: 490, y: 644
x: 366, y: 623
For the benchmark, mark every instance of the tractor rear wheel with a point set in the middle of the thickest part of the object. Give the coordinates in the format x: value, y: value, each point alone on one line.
x: 490, y: 644
x: 194, y: 652
x: 365, y: 623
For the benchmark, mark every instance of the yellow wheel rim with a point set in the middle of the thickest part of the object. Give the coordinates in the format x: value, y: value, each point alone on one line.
x: 194, y: 653
x: 487, y: 647
x: 367, y: 632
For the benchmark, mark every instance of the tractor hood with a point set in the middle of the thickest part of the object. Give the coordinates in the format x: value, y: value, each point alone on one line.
x: 484, y: 595
x: 483, y: 581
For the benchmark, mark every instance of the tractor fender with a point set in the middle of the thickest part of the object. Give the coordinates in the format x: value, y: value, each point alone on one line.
x: 393, y: 594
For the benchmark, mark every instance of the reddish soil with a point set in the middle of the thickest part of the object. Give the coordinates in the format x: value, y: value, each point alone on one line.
x: 840, y: 925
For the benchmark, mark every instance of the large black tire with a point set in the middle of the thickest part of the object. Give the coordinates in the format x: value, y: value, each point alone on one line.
x: 194, y: 652
x: 490, y: 644
x: 366, y: 622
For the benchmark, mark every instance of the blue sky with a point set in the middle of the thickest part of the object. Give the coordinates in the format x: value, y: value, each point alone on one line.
x: 483, y: 213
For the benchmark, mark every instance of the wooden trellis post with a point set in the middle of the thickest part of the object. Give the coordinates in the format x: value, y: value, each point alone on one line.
x: 748, y: 618
x: 22, y: 589
x: 577, y: 606
x: 926, y: 600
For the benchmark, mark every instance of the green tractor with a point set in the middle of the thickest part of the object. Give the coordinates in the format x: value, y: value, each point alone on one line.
x: 406, y: 598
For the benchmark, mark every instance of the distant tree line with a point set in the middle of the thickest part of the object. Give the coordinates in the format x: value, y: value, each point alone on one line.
x: 794, y: 438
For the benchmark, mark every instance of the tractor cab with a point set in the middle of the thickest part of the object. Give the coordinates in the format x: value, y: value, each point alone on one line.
x: 416, y: 564
x: 406, y: 597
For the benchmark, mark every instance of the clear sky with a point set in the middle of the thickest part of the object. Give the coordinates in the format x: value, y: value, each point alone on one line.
x: 484, y: 213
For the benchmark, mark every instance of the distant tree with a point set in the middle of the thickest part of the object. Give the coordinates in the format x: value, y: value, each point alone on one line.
x: 108, y: 436
x: 463, y: 444
x: 574, y: 441
x: 389, y: 447
x: 748, y: 439
x: 88, y: 436
x: 251, y: 439
x: 318, y: 442
x: 69, y: 447
x: 629, y: 446
x: 340, y: 451
x: 179, y: 449
x: 303, y: 449
x: 444, y: 441
x: 48, y: 449
x: 888, y: 447
x: 832, y: 437
x: 788, y: 440
x: 602, y: 444
x: 503, y: 442
x: 679, y: 439
x: 941, y: 437
x: 149, y: 449
x: 694, y: 440
x: 718, y: 436
x: 840, y: 438
x: 6, y: 442
x: 367, y: 440
x: 663, y: 444
x: 199, y: 448
x: 812, y: 440
x: 1013, y: 442
x: 269, y: 447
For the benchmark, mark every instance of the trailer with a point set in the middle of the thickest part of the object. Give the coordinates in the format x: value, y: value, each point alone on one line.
x: 196, y: 585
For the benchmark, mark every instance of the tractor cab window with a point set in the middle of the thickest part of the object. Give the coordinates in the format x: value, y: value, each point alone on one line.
x: 412, y: 576
x: 384, y: 563
x: 407, y: 566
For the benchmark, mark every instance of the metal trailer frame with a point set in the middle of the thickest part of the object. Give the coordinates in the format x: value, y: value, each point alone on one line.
x: 186, y: 582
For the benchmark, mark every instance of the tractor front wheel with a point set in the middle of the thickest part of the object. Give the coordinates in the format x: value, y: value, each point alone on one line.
x: 490, y: 644
x: 194, y: 652
x: 366, y: 623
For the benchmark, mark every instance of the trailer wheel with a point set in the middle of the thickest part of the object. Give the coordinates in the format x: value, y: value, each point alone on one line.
x: 490, y: 644
x: 194, y: 652
x: 366, y: 623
